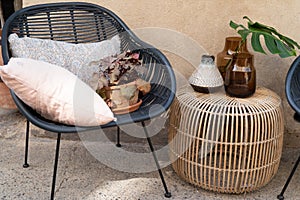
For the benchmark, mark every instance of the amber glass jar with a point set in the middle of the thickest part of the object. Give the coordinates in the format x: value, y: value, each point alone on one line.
x: 231, y: 46
x: 240, y: 78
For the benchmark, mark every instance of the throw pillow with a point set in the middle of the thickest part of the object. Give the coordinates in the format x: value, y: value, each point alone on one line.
x: 55, y: 93
x: 80, y: 59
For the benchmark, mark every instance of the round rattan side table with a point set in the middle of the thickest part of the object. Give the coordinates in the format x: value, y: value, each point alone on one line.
x: 225, y: 144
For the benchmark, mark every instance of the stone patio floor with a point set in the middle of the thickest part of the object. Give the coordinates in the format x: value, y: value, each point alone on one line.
x: 81, y: 176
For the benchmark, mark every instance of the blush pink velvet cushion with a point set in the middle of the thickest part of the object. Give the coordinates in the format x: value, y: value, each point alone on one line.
x: 55, y: 93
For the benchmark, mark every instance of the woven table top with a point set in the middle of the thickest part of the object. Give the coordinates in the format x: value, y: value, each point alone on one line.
x: 261, y: 101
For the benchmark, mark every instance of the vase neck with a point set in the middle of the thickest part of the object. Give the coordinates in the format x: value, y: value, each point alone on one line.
x: 242, y: 58
x: 233, y: 43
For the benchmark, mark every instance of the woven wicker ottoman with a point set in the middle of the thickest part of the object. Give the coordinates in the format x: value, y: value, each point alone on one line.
x: 226, y: 144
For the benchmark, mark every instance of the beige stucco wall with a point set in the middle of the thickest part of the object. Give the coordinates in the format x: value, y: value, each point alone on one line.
x: 206, y: 22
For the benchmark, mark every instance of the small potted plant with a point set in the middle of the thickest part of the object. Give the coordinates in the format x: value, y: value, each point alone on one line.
x: 119, y: 83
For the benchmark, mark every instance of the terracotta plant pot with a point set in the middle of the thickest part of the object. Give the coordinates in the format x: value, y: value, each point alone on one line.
x: 1, y: 60
x: 6, y: 100
x: 122, y: 95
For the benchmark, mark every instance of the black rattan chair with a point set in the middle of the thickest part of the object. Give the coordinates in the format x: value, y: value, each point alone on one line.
x: 292, y: 89
x: 45, y: 21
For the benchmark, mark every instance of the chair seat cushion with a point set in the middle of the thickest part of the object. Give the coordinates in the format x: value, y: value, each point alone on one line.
x: 55, y: 93
x: 80, y: 59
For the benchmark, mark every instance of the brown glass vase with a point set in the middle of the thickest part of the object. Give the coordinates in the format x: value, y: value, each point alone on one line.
x: 240, y: 78
x: 231, y: 46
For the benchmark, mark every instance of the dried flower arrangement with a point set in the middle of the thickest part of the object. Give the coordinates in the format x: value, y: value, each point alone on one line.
x: 119, y: 82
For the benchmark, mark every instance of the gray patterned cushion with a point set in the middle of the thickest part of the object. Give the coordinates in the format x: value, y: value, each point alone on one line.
x: 80, y: 59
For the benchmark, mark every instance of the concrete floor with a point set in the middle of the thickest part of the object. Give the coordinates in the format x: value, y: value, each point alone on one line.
x: 81, y: 176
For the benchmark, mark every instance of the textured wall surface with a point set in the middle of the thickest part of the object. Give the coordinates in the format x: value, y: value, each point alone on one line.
x: 205, y: 22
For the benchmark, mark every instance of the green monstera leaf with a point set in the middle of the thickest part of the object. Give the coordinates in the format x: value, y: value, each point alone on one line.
x: 276, y: 43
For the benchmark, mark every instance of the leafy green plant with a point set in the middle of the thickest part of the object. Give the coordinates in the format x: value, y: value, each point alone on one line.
x: 276, y: 43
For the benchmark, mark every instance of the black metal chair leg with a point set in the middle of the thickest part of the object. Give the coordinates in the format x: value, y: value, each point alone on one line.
x: 25, y: 165
x: 167, y: 194
x: 280, y: 196
x: 55, y: 166
x: 118, y: 137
